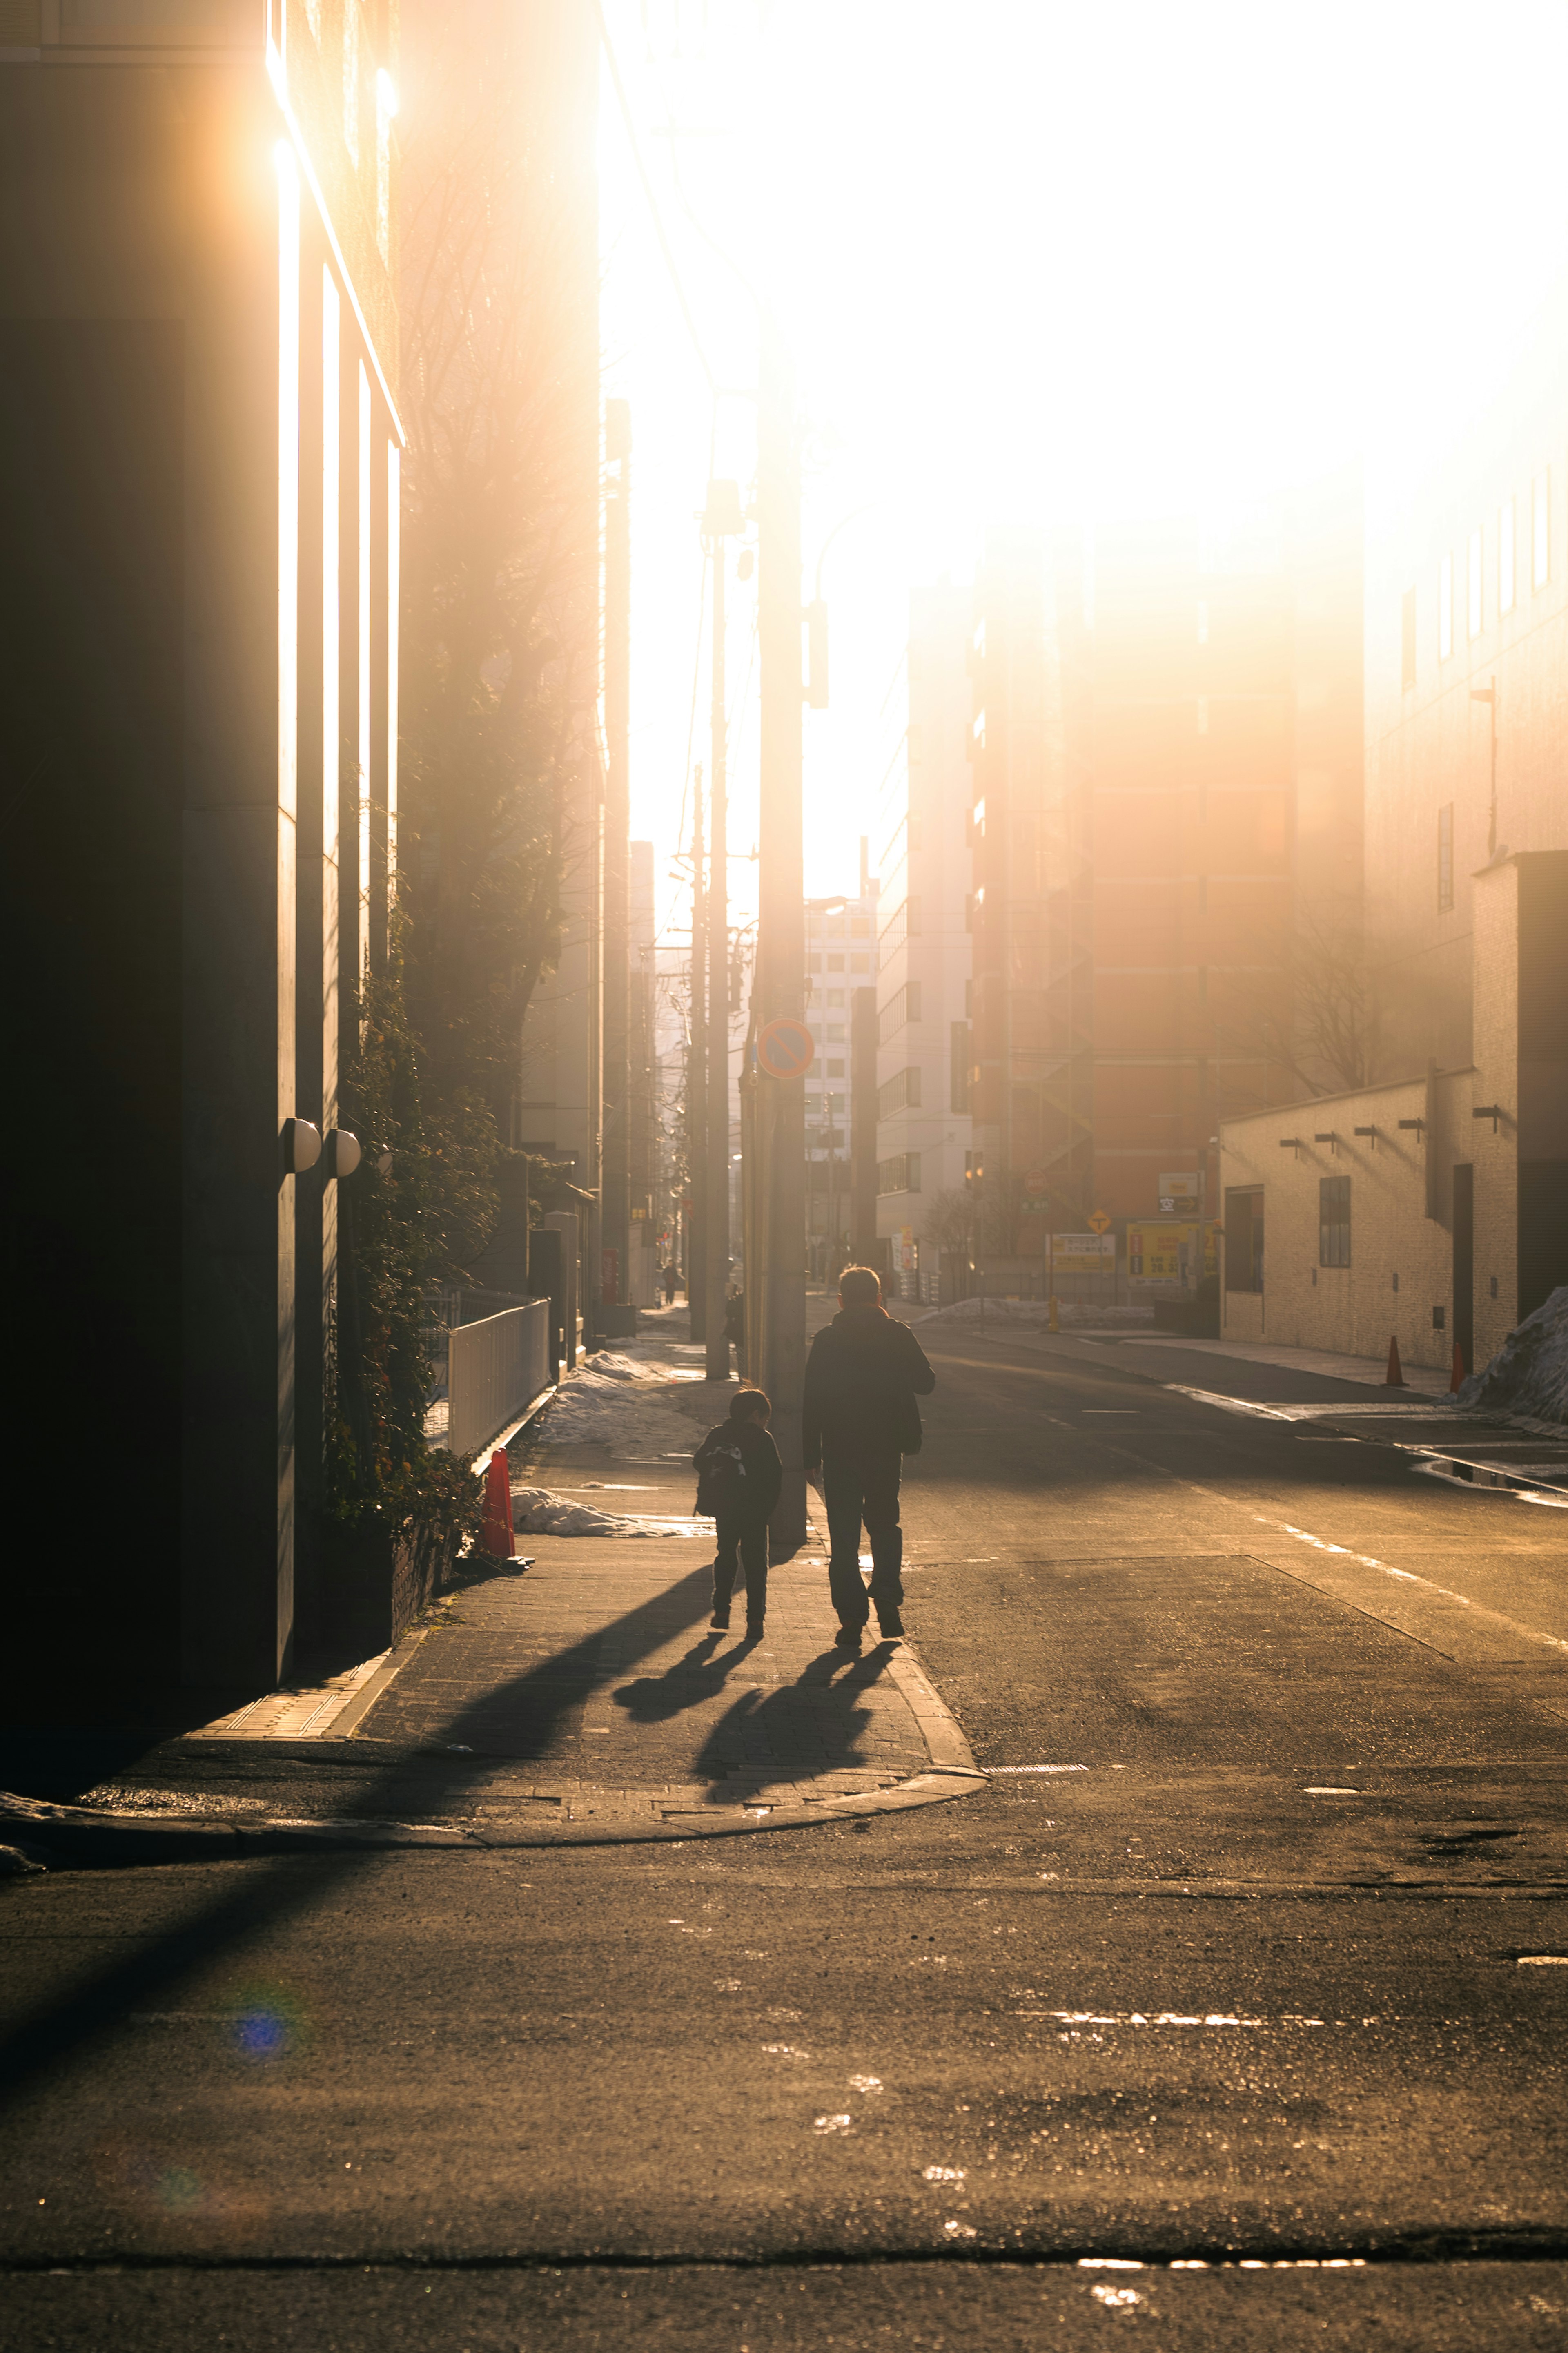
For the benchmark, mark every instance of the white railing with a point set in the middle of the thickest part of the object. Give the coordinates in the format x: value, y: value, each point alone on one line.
x: 495, y: 1369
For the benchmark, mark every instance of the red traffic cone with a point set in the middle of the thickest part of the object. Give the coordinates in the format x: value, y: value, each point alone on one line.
x: 495, y: 1533
x: 1393, y: 1379
x: 1457, y: 1377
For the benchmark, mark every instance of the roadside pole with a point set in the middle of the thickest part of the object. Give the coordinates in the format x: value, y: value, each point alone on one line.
x: 613, y: 1271
x: 779, y: 1284
x: 697, y: 1083
x: 721, y: 520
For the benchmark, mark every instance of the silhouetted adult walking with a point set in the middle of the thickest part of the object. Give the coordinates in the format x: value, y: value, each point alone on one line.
x: 859, y: 1420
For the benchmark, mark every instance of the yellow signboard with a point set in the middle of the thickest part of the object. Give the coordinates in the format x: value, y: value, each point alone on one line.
x: 1161, y: 1257
x: 1083, y: 1253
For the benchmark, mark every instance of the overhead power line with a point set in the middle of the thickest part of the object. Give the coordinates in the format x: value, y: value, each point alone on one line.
x: 656, y: 215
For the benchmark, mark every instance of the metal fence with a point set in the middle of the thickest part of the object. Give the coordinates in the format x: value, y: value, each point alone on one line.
x: 495, y: 1369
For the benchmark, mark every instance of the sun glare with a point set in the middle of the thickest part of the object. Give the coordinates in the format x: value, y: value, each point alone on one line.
x: 1049, y: 263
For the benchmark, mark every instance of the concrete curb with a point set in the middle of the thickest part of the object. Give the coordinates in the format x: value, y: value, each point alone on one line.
x: 42, y: 1835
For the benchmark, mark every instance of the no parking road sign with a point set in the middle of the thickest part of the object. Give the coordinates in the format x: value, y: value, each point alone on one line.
x: 785, y: 1049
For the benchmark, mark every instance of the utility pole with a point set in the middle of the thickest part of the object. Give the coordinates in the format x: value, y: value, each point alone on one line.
x: 721, y: 520
x: 697, y: 1085
x: 615, y: 1220
x: 775, y: 1291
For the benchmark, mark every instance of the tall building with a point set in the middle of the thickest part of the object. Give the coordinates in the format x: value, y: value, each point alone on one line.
x: 1166, y: 825
x: 840, y: 959
x: 200, y: 459
x: 924, y: 1054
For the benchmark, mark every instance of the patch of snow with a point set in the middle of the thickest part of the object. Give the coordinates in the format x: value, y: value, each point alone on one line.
x: 1529, y: 1374
x: 536, y: 1512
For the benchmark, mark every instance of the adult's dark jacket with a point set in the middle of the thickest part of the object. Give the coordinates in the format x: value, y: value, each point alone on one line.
x: 862, y: 1377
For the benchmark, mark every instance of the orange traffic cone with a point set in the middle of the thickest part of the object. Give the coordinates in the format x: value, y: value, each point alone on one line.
x: 1393, y: 1379
x: 1457, y: 1377
x: 494, y: 1532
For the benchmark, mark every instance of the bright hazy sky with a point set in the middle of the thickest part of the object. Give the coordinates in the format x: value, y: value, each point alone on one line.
x: 1040, y: 261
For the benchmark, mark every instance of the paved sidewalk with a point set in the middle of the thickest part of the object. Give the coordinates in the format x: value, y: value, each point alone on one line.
x: 574, y: 1696
x: 590, y: 1680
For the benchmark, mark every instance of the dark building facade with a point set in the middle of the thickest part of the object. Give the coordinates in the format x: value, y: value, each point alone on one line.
x: 201, y: 450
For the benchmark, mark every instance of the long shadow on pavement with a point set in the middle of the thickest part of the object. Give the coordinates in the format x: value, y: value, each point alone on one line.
x: 294, y: 1884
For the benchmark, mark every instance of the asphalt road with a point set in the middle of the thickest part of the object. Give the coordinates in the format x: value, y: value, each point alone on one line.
x: 1228, y: 2013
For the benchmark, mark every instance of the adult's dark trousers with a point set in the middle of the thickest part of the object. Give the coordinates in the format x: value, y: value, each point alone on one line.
x: 742, y: 1546
x: 863, y: 1488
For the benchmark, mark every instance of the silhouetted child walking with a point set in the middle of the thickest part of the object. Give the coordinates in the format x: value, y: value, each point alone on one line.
x: 738, y: 1476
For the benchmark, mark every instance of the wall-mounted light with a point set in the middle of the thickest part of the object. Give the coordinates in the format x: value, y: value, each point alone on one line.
x: 1494, y: 1111
x: 1290, y: 1144
x: 1418, y: 1125
x: 341, y: 1151
x: 301, y: 1146
x: 1330, y: 1139
x: 1369, y: 1132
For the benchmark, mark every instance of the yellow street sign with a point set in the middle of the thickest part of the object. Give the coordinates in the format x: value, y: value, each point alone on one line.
x: 1099, y: 1222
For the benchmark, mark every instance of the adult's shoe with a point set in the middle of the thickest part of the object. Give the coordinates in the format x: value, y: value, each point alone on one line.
x: 720, y: 1622
x: 847, y: 1637
x: 891, y: 1624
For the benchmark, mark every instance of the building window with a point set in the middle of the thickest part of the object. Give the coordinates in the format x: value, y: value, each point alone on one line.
x: 860, y: 927
x: 1446, y: 608
x: 893, y: 1015
x: 835, y: 964
x: 1541, y: 529
x: 902, y: 1091
x: 1473, y: 585
x: 1407, y: 641
x: 959, y: 1075
x: 902, y: 1174
x: 1505, y: 557
x: 835, y: 996
x: 1333, y: 1221
x: 1445, y: 858
x: 836, y: 1070
x: 1243, y: 1238
x: 860, y: 963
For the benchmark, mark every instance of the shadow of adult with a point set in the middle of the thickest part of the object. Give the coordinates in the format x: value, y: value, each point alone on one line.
x: 815, y: 1726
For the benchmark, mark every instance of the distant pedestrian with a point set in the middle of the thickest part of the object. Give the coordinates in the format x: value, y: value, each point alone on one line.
x: 735, y: 1328
x: 859, y: 1418
x: 738, y: 1480
x: 671, y: 1282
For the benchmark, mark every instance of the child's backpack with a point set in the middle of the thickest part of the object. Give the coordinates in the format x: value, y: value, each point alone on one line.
x: 720, y: 1474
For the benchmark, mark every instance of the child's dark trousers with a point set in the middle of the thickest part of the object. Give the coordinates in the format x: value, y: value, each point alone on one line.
x: 743, y: 1545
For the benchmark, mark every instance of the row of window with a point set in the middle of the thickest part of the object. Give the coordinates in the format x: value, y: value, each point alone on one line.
x: 1244, y: 1231
x: 901, y: 1092
x: 858, y: 962
x: 1500, y: 573
x: 904, y: 1004
x: 902, y: 1174
x: 838, y: 927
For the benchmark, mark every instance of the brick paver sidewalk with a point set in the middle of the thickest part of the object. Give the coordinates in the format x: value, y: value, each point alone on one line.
x: 589, y: 1681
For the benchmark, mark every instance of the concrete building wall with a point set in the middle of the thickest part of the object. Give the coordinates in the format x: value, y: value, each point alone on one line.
x: 1457, y: 1178
x: 1428, y: 650
x: 200, y: 388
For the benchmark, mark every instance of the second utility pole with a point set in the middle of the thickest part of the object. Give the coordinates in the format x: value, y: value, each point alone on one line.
x: 697, y: 1087
x: 723, y: 515
x: 775, y: 1291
